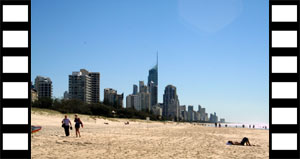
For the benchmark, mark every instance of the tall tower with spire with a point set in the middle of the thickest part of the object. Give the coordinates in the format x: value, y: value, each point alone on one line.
x: 153, y: 82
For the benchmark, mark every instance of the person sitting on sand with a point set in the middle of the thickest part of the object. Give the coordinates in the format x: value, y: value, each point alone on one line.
x: 77, y: 125
x: 243, y: 142
x: 65, y: 123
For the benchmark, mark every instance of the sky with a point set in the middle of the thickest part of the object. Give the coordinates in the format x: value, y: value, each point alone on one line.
x: 214, y: 52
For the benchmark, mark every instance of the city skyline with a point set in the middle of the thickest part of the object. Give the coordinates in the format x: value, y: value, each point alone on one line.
x: 216, y: 67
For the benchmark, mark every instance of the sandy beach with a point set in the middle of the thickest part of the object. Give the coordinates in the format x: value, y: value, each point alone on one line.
x: 141, y: 139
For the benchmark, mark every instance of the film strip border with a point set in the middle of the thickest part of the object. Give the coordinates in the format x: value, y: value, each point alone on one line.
x: 15, y: 78
x: 284, y: 78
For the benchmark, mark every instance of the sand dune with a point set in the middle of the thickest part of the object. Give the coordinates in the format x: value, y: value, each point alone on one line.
x: 141, y: 139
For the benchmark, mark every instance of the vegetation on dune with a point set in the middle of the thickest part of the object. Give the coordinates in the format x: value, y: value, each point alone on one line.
x: 98, y: 109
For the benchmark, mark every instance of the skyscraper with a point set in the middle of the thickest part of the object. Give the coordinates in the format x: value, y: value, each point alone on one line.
x: 153, y: 83
x: 153, y: 93
x: 85, y: 86
x: 202, y: 113
x: 144, y: 98
x: 80, y: 86
x: 171, y: 103
x: 213, y: 117
x: 135, y: 89
x: 144, y: 101
x: 95, y: 86
x: 184, y: 114
x: 142, y: 87
x: 132, y: 101
x: 43, y: 86
x: 112, y: 98
x: 191, y: 113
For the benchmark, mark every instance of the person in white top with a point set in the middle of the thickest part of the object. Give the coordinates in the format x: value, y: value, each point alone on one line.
x: 66, y: 123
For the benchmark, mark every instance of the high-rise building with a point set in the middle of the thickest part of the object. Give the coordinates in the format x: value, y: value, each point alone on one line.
x: 213, y: 118
x: 143, y: 87
x: 109, y: 96
x: 184, y: 115
x: 197, y: 116
x: 119, y: 100
x: 95, y: 86
x: 66, y: 95
x: 144, y: 101
x: 153, y: 83
x: 144, y: 98
x: 80, y: 86
x: 191, y: 113
x: 171, y: 103
x: 153, y: 93
x: 135, y: 89
x: 202, y: 113
x: 132, y: 101
x: 85, y: 86
x: 43, y: 86
x: 112, y: 98
x: 206, y: 117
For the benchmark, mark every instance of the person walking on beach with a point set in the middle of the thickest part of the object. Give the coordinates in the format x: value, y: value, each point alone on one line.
x: 66, y: 123
x: 77, y: 125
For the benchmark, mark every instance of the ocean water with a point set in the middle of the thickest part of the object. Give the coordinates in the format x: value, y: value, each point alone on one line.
x: 240, y: 125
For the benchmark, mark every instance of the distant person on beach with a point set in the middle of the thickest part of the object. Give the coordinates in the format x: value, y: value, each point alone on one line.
x: 77, y: 125
x: 219, y: 125
x: 253, y: 126
x: 243, y: 142
x: 66, y: 124
x: 216, y: 124
x: 226, y: 125
x: 243, y: 126
x: 249, y: 126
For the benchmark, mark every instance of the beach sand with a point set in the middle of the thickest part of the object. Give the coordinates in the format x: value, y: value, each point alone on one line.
x: 141, y: 139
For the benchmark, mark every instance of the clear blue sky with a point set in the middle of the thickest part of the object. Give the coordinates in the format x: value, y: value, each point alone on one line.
x: 214, y: 51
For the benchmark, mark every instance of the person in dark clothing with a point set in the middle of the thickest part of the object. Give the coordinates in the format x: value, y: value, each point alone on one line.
x: 66, y: 123
x: 243, y: 142
x: 77, y: 125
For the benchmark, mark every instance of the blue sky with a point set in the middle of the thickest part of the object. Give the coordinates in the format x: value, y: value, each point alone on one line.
x: 214, y: 52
